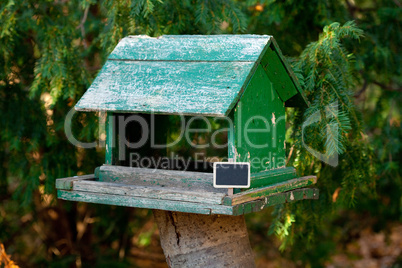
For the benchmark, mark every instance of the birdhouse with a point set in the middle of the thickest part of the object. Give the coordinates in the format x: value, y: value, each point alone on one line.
x: 151, y: 87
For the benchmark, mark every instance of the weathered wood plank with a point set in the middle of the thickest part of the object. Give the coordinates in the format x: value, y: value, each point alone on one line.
x: 190, y: 88
x: 67, y: 183
x: 139, y: 202
x: 151, y: 192
x: 259, y: 193
x: 286, y: 197
x: 245, y: 208
x: 191, y: 48
x: 268, y: 177
x: 292, y: 196
x: 158, y: 177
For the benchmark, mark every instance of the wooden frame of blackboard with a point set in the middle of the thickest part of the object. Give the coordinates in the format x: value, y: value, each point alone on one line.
x: 232, y: 186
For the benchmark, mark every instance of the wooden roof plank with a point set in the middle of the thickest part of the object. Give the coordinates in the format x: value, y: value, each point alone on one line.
x: 208, y: 88
x: 191, y: 48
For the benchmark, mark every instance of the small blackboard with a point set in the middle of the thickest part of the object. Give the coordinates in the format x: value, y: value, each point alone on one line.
x: 231, y: 175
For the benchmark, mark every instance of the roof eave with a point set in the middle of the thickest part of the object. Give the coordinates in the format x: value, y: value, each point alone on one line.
x: 79, y: 109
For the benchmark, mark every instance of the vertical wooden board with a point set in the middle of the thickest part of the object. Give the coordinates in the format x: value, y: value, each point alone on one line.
x: 231, y: 144
x: 259, y: 120
x: 277, y: 73
x: 231, y: 138
x: 111, y: 149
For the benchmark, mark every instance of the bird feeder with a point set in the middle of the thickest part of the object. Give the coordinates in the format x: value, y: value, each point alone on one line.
x: 148, y: 81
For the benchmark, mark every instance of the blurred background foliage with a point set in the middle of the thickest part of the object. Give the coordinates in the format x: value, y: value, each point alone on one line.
x: 51, y: 50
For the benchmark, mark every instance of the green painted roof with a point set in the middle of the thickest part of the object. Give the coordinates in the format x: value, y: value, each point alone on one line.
x: 188, y: 74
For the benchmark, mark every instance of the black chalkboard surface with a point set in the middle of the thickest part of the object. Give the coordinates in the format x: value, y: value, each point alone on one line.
x: 231, y: 175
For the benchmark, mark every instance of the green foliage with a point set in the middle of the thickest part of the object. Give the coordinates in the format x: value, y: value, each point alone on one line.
x: 281, y: 225
x: 50, y: 51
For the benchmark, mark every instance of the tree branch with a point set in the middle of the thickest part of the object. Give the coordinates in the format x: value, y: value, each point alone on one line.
x: 81, y: 26
x: 363, y: 89
x: 387, y: 87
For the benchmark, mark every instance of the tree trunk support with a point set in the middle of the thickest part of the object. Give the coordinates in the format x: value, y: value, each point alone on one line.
x: 195, y: 240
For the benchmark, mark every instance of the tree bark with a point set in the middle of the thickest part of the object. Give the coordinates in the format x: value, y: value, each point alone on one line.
x: 194, y: 240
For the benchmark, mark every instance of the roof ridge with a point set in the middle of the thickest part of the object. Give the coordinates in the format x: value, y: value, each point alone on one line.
x: 200, y: 36
x: 181, y: 60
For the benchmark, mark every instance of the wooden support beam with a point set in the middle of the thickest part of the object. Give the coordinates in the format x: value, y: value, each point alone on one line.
x: 286, y: 197
x: 265, y: 178
x: 259, y: 193
x: 67, y: 183
x: 140, y: 202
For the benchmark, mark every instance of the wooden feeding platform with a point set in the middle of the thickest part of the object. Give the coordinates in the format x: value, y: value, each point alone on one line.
x: 181, y: 191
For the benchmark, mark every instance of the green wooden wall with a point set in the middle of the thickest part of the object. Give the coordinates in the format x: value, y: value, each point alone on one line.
x: 259, y: 125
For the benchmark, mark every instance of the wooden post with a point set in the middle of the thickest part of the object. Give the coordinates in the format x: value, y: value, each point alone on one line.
x: 195, y: 240
x: 230, y: 191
